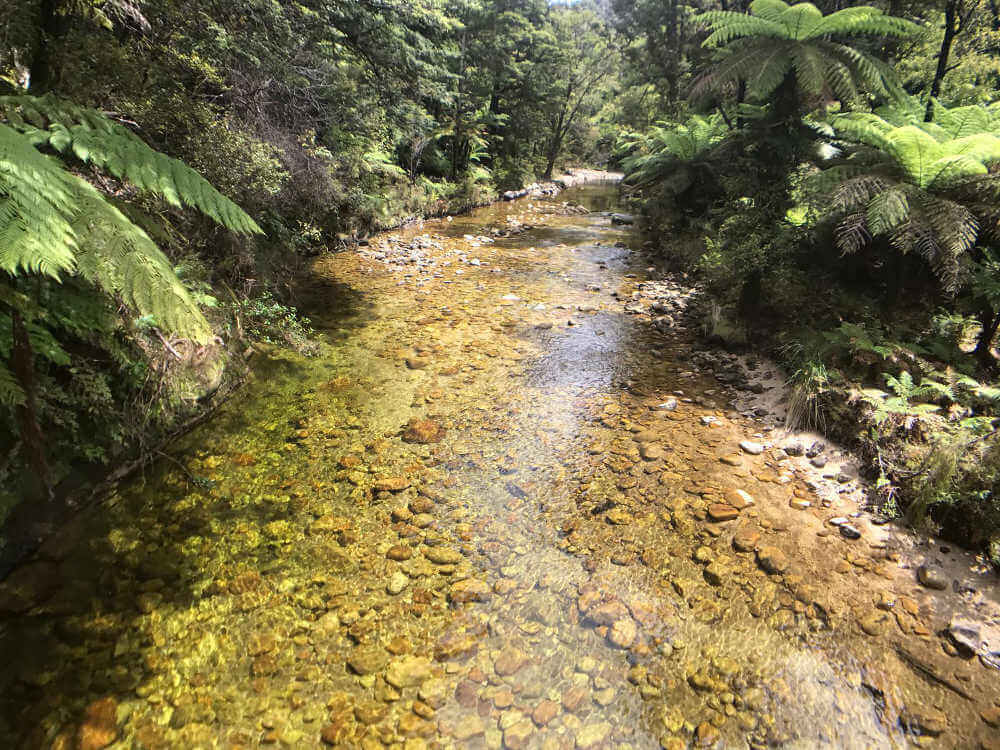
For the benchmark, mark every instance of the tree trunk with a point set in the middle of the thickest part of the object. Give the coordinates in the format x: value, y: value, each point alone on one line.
x: 22, y: 364
x: 950, y: 30
x: 42, y: 68
x: 984, y: 345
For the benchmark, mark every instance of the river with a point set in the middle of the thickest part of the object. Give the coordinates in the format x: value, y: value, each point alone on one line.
x: 499, y: 508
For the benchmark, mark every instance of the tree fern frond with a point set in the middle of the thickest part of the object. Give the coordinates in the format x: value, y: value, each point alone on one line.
x: 11, y: 393
x: 915, y: 151
x: 811, y: 69
x: 37, y: 203
x: 728, y: 25
x: 857, y: 192
x: 96, y: 140
x: 953, y: 170
x: 769, y: 10
x: 886, y: 211
x: 120, y: 257
x: 864, y: 20
x: 800, y: 20
x: 772, y: 67
x: 852, y: 233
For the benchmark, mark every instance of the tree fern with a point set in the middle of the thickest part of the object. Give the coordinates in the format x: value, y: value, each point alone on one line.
x: 777, y: 39
x: 925, y: 187
x: 52, y: 222
x: 94, y: 139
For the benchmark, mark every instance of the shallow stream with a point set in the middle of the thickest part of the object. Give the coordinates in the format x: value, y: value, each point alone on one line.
x: 500, y: 508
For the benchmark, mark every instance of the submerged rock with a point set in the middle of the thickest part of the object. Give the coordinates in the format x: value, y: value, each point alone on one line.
x: 772, y: 559
x: 423, y: 431
x: 932, y: 577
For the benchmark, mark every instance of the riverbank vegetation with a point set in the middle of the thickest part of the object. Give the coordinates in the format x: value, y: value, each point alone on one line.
x: 122, y: 311
x: 829, y: 174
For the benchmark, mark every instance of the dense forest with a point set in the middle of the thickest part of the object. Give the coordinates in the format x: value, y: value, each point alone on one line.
x: 825, y: 172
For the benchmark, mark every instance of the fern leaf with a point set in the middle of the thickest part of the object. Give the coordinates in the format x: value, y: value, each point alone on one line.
x: 728, y: 25
x: 11, y: 393
x: 886, y: 211
x: 769, y: 10
x: 96, y: 140
x: 37, y: 203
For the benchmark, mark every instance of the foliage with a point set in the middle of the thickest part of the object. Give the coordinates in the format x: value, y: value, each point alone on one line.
x: 777, y: 41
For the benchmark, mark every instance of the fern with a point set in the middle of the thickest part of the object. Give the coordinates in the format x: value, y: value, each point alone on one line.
x: 919, y: 186
x: 776, y: 39
x: 94, y: 139
x: 52, y: 222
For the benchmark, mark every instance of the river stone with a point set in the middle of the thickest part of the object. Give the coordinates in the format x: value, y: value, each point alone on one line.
x: 754, y: 449
x: 391, y: 484
x: 408, y: 671
x: 618, y: 517
x: 849, y: 532
x: 739, y: 499
x: 706, y: 735
x: 651, y: 451
x: 399, y: 553
x: 469, y: 590
x: 927, y: 720
x: 367, y: 659
x: 397, y: 583
x: 719, y: 512
x: 545, y: 712
x: 509, y: 661
x: 772, y: 559
x: 443, y: 555
x: 991, y: 716
x: 573, y: 699
x: 592, y: 735
x: 99, y: 727
x: 966, y: 636
x: 745, y: 540
x: 423, y: 431
x: 516, y: 737
x: 468, y: 726
x: 876, y: 622
x: 932, y: 577
x: 623, y: 633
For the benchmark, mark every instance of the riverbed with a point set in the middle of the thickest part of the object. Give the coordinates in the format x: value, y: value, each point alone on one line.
x: 507, y: 504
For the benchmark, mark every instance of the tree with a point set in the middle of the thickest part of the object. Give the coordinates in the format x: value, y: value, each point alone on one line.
x: 957, y: 14
x: 54, y: 223
x: 584, y: 61
x: 786, y: 55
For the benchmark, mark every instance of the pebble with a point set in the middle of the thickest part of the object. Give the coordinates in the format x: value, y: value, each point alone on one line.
x: 772, y: 559
x: 966, y: 635
x: 397, y: 583
x: 720, y: 513
x: 443, y: 555
x: 754, y: 449
x: 623, y: 633
x: 469, y: 590
x: 367, y: 659
x: 391, y: 484
x: 849, y: 532
x: 932, y: 577
x: 509, y: 661
x: 592, y: 736
x: 408, y: 671
x: 468, y: 727
x: 745, y: 540
x: 739, y: 499
x: 545, y: 712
